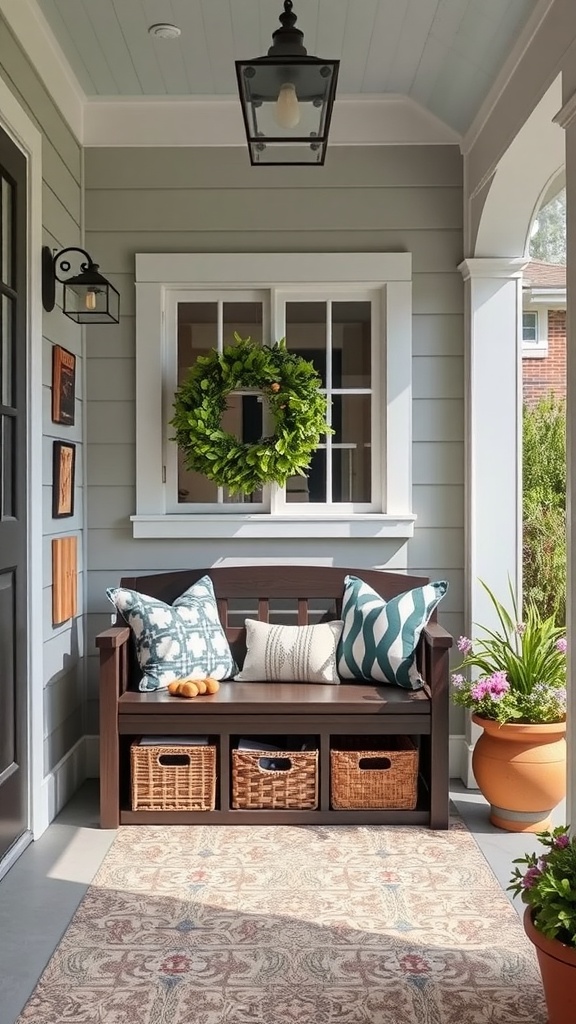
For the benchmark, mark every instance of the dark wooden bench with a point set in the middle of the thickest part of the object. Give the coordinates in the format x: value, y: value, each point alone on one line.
x: 258, y: 709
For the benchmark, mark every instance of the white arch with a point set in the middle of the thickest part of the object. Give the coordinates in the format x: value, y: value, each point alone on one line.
x: 523, y: 177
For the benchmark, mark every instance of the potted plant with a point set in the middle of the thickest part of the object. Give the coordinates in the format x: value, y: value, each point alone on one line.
x: 518, y: 697
x: 547, y: 883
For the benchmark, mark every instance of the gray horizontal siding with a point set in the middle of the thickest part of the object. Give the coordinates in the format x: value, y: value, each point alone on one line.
x: 191, y: 169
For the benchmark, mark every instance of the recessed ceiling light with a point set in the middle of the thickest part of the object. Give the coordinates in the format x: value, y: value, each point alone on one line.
x: 165, y: 31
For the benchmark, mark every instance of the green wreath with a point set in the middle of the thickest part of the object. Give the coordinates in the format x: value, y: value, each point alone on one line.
x: 290, y: 385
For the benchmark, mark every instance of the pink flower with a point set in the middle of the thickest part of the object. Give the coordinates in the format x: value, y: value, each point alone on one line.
x: 494, y: 687
x: 561, y: 842
x: 457, y: 681
x: 521, y: 628
x: 562, y: 644
x: 464, y: 645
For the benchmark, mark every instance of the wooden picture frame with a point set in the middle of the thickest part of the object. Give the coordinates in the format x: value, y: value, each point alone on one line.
x: 63, y: 385
x: 63, y: 473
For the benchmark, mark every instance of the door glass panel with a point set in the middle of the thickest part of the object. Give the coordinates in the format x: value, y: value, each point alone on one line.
x: 351, y: 452
x: 198, y: 332
x: 8, y: 466
x: 351, y: 340
x: 6, y: 216
x: 7, y: 360
x: 306, y: 333
x: 7, y: 644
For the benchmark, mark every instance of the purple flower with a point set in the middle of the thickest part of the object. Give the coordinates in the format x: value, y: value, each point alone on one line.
x: 561, y: 842
x: 457, y: 681
x: 562, y: 645
x: 464, y: 645
x: 531, y: 877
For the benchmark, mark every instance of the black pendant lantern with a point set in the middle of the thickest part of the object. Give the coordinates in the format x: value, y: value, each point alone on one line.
x: 287, y: 99
x: 88, y: 297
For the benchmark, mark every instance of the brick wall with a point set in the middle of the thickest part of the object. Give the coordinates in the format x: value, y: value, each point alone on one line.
x: 541, y: 376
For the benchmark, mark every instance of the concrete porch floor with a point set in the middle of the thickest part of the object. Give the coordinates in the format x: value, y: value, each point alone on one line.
x: 41, y: 892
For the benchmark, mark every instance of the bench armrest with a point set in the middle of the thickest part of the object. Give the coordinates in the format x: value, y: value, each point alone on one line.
x: 113, y: 637
x: 435, y: 635
x: 114, y: 663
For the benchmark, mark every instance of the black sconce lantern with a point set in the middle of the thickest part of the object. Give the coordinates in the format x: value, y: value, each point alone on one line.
x: 88, y: 297
x: 287, y: 99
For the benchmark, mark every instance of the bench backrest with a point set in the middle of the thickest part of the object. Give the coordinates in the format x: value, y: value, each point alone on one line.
x: 290, y: 594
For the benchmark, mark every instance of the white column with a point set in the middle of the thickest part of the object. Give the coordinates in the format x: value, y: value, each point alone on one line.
x: 493, y: 449
x: 567, y: 120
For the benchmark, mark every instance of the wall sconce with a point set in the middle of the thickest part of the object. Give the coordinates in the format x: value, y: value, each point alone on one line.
x: 287, y: 99
x: 88, y: 297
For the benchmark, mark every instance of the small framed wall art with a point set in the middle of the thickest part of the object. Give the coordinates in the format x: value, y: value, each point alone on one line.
x: 63, y: 385
x: 64, y: 467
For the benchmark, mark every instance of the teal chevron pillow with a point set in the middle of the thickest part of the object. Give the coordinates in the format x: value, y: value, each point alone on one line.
x: 173, y: 641
x: 379, y: 637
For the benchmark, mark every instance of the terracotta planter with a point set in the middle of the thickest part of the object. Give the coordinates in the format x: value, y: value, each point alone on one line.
x: 521, y: 771
x: 558, y: 970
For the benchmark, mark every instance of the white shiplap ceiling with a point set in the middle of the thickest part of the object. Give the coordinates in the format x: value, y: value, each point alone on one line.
x: 444, y: 54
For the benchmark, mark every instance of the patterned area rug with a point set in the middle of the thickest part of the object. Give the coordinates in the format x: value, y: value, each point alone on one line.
x: 287, y: 925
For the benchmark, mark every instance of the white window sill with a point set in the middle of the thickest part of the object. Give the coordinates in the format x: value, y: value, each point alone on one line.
x: 287, y: 527
x: 534, y: 351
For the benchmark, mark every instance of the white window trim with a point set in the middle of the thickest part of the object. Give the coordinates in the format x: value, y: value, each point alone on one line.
x: 157, y: 273
x: 537, y: 349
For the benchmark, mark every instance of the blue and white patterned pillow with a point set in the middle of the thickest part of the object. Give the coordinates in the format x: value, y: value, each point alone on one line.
x: 379, y: 637
x: 174, y: 641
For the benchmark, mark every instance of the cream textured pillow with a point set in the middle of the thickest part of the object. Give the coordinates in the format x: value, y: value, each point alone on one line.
x: 290, y: 654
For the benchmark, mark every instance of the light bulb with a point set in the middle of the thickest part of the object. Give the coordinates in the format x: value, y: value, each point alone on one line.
x: 287, y: 111
x: 90, y: 300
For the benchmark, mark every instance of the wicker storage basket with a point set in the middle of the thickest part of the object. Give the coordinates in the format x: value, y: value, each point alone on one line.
x: 173, y: 778
x: 375, y: 778
x: 256, y: 787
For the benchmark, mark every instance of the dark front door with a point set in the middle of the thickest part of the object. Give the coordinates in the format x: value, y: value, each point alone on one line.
x: 13, y: 541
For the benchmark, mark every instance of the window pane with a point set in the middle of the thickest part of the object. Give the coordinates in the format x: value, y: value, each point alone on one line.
x: 351, y: 452
x: 8, y: 464
x: 306, y: 333
x: 197, y: 335
x: 529, y: 327
x: 6, y: 213
x: 243, y: 318
x: 7, y: 359
x: 351, y: 344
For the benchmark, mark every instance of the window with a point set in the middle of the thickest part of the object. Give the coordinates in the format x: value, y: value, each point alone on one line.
x: 348, y: 314
x: 535, y: 333
x: 529, y: 328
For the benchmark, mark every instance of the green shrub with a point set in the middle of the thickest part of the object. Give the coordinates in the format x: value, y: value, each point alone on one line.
x: 544, y: 507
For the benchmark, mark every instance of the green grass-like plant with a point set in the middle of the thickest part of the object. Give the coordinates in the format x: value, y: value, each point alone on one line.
x: 544, y: 507
x: 521, y: 667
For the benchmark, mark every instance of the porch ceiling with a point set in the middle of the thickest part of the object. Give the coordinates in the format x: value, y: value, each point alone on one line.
x: 444, y: 54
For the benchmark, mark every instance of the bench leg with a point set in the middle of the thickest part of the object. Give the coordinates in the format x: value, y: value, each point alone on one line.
x: 109, y: 741
x: 439, y: 743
